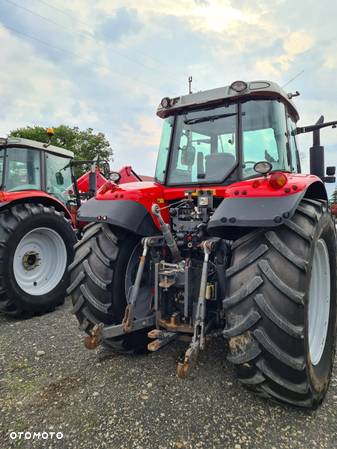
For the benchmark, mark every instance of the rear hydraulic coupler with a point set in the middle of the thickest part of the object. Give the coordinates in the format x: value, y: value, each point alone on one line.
x: 168, y: 236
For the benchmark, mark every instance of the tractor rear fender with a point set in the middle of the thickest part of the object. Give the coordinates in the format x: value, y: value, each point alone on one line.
x: 12, y: 198
x: 125, y: 214
x: 262, y: 211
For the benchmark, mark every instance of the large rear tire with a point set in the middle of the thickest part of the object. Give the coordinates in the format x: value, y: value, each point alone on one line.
x: 36, y: 247
x: 99, y: 276
x: 281, y: 307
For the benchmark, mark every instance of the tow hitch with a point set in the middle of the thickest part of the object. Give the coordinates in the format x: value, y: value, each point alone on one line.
x: 198, y: 340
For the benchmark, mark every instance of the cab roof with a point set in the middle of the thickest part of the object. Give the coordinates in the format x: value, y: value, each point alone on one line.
x: 255, y: 90
x: 27, y: 143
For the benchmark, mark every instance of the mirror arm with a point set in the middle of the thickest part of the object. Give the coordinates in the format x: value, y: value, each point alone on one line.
x: 316, y: 127
x: 75, y: 186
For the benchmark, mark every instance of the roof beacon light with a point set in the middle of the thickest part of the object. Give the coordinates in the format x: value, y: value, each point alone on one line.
x: 166, y: 102
x: 239, y: 86
x: 263, y: 167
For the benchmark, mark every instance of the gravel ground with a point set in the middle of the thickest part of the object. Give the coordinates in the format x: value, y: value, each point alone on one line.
x: 50, y: 382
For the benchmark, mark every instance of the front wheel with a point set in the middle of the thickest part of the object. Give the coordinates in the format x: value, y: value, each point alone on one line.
x: 281, y: 307
x: 36, y: 247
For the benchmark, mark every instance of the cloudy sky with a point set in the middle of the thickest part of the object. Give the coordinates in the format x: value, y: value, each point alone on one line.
x: 106, y: 64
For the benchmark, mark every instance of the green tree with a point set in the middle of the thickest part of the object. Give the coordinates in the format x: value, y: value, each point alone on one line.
x: 85, y: 144
x: 333, y: 197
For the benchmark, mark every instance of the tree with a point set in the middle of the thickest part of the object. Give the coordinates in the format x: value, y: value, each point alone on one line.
x: 333, y: 197
x: 85, y: 144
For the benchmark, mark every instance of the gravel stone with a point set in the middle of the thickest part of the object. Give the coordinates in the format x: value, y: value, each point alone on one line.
x: 137, y: 402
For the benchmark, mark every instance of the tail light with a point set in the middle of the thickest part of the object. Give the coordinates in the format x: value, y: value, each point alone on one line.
x: 277, y: 180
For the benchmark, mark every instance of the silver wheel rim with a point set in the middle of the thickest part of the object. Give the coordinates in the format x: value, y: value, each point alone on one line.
x: 40, y: 261
x: 319, y: 302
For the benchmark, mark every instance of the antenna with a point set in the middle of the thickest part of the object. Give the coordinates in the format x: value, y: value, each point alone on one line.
x: 190, y: 84
x: 292, y: 79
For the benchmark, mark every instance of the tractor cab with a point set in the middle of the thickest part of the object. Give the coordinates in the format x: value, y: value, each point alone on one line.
x: 207, y: 141
x: 29, y: 165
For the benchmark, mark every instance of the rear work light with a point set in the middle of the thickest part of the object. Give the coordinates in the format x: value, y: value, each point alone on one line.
x: 277, y: 180
x: 239, y: 86
x: 165, y: 102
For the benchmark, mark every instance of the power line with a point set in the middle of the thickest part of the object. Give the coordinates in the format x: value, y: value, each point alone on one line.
x: 69, y: 52
x: 292, y: 79
x: 62, y: 11
x: 38, y: 15
x: 47, y: 44
x: 86, y: 34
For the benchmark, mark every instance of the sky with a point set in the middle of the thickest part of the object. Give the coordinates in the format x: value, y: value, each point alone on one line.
x: 107, y: 64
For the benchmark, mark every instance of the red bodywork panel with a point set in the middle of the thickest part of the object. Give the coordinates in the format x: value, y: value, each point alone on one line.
x: 334, y: 209
x: 147, y: 193
x: 126, y: 172
x: 127, y: 175
x: 26, y: 195
x: 83, y: 181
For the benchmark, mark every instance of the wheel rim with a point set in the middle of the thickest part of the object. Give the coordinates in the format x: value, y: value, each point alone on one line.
x: 319, y: 302
x: 40, y: 261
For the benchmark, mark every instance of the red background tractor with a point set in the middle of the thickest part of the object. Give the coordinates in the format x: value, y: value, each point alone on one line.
x: 39, y: 199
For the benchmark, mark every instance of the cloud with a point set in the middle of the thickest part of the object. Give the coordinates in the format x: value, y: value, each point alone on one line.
x: 35, y: 91
x: 297, y: 42
x: 124, y: 22
x: 107, y: 64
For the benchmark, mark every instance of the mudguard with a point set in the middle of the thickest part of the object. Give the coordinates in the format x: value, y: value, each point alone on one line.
x: 254, y: 212
x: 32, y: 196
x: 125, y: 214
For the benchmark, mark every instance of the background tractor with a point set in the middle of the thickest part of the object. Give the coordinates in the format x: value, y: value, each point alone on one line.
x: 230, y: 239
x: 39, y: 199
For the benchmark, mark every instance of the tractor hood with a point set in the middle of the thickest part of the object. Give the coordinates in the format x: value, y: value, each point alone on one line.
x: 134, y: 191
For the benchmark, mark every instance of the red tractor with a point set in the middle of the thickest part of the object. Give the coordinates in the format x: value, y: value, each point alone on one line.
x: 231, y: 239
x: 39, y: 199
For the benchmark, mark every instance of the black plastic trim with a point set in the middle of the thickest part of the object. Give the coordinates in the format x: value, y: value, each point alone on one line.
x: 125, y: 214
x: 254, y: 212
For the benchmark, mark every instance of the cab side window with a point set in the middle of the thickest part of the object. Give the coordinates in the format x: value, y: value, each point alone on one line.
x: 295, y: 159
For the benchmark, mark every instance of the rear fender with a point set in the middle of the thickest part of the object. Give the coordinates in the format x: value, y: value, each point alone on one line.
x: 262, y: 211
x: 11, y: 198
x: 125, y: 214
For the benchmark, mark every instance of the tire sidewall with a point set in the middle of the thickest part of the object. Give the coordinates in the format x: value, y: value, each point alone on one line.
x: 319, y: 375
x: 56, y: 223
x: 119, y: 300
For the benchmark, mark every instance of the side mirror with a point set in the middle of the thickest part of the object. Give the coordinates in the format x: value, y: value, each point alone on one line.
x: 188, y: 155
x: 331, y: 171
x: 59, y: 178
